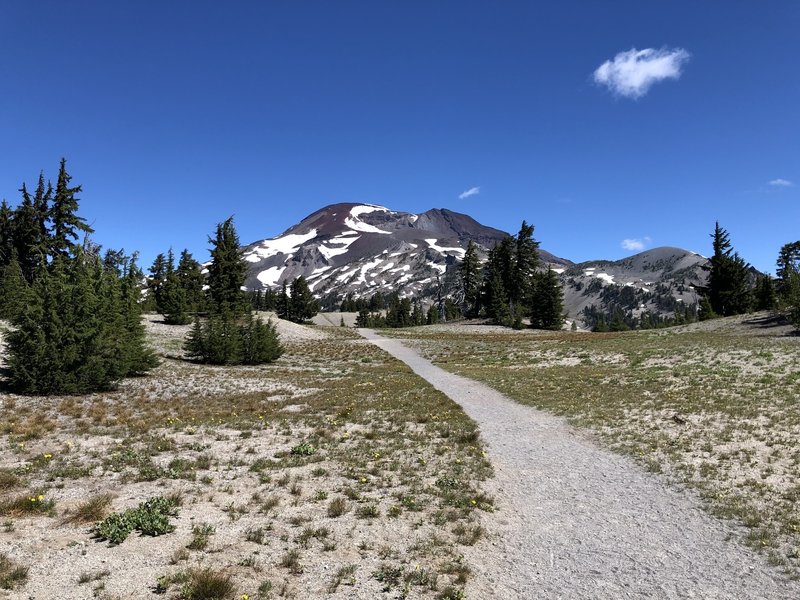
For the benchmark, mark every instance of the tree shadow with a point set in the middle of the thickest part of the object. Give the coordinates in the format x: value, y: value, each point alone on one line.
x: 771, y: 321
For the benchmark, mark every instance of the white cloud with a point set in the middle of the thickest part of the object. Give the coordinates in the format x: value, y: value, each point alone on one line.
x: 637, y: 244
x: 781, y: 183
x: 632, y: 73
x: 473, y: 191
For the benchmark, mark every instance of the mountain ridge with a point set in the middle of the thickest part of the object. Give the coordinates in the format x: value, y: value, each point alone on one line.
x: 358, y: 248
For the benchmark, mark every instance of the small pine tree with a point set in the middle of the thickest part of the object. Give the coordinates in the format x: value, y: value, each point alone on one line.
x: 302, y: 305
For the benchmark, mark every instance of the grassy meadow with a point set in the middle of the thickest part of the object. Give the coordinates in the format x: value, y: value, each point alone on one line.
x: 713, y: 406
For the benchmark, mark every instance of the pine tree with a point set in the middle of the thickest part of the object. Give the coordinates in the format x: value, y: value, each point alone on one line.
x: 547, y: 301
x: 158, y: 277
x: 230, y: 334
x: 765, y: 296
x: 497, y: 301
x: 526, y: 259
x: 282, y: 306
x: 65, y: 222
x: 13, y: 289
x: 76, y: 333
x: 471, y: 281
x: 302, y: 305
x: 227, y: 272
x: 191, y: 280
x: 728, y: 288
x: 29, y: 244
x: 788, y: 266
x: 6, y: 233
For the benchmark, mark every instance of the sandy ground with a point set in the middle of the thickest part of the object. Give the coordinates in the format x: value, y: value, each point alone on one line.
x: 576, y: 521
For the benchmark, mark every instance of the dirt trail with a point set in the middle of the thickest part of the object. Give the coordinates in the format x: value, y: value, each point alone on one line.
x: 577, y: 521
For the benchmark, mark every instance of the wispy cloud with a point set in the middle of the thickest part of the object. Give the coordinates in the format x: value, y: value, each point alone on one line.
x: 473, y: 191
x: 632, y: 73
x: 781, y: 183
x: 636, y: 244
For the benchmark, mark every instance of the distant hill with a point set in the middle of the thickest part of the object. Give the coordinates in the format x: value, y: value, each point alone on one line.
x: 654, y: 281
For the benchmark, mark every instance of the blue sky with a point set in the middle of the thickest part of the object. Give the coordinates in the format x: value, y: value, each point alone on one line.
x: 175, y: 115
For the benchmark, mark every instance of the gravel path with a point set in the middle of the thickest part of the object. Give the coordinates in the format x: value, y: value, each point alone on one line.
x: 577, y: 521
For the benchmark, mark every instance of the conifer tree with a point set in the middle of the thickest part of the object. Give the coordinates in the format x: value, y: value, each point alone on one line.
x: 302, y: 305
x: 30, y: 246
x: 66, y: 224
x: 191, y: 279
x: 283, y: 307
x: 6, y: 233
x: 526, y: 259
x: 547, y: 301
x: 728, y: 286
x: 788, y: 268
x: 765, y: 296
x: 470, y: 280
x: 13, y: 289
x: 227, y: 271
x: 158, y: 277
x: 230, y: 334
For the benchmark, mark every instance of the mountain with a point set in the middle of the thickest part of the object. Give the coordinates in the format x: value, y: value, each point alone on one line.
x: 364, y: 248
x: 654, y: 281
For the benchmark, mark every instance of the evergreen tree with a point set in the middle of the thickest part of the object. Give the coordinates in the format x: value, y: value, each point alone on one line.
x: 174, y: 305
x: 547, y: 301
x: 283, y: 306
x: 728, y: 288
x: 765, y: 296
x: 13, y: 289
x: 158, y: 277
x: 191, y: 280
x: 302, y: 305
x: 230, y: 334
x: 788, y: 267
x: 259, y: 341
x: 497, y: 301
x: 76, y: 333
x: 6, y: 233
x: 526, y: 259
x: 30, y: 246
x: 227, y: 271
x: 65, y: 222
x: 471, y: 281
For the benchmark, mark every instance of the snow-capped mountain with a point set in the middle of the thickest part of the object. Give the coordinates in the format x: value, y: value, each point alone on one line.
x: 364, y: 248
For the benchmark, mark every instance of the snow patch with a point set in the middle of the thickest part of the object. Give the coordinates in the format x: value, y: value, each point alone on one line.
x: 330, y: 252
x: 441, y: 250
x: 282, y: 245
x: 605, y: 277
x: 559, y: 271
x: 356, y: 224
x: 270, y: 276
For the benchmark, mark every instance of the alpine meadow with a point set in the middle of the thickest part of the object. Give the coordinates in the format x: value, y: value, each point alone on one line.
x: 366, y: 300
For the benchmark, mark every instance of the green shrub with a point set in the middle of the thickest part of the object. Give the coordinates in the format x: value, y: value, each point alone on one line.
x: 151, y: 517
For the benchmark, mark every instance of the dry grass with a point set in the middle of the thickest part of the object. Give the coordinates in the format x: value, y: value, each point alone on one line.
x: 263, y: 457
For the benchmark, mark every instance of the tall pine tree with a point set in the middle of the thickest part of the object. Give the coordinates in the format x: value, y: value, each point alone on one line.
x: 728, y: 287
